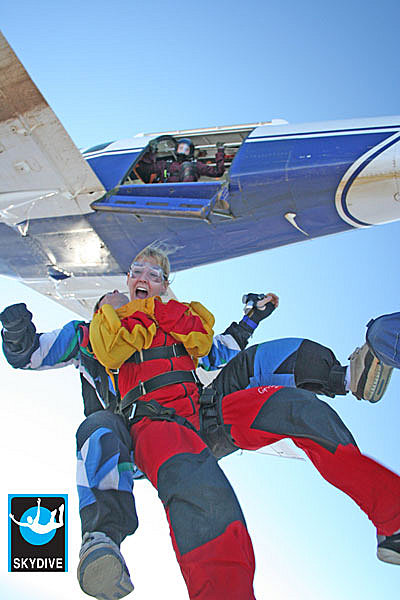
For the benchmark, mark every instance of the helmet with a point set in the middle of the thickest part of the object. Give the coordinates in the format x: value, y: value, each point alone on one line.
x: 185, y: 148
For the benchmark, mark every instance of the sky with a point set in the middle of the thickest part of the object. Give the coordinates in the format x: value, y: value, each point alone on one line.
x: 111, y: 70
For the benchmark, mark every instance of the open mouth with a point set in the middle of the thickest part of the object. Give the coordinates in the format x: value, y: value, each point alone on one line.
x: 141, y: 292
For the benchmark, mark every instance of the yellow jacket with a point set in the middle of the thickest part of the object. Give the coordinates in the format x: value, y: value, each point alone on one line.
x: 113, y: 342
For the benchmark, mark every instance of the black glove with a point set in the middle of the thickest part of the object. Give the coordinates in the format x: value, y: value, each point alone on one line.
x: 15, y: 317
x: 257, y: 314
x: 19, y: 331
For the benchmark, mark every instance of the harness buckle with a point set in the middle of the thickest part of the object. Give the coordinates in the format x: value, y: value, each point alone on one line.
x: 158, y: 411
x: 132, y: 413
x: 174, y: 350
x: 141, y: 355
x: 206, y: 398
x: 142, y: 388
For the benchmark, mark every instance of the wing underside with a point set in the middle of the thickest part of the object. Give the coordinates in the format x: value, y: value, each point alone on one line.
x: 42, y: 171
x: 43, y: 175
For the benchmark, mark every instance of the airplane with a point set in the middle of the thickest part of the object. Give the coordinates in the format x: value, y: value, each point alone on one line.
x: 71, y: 221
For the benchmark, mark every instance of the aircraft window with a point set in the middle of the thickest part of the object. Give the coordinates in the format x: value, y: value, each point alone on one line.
x: 164, y: 147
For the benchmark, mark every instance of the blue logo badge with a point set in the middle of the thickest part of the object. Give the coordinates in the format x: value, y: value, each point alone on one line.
x: 37, y: 532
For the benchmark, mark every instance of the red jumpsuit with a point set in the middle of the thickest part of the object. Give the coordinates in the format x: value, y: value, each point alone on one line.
x: 207, y: 526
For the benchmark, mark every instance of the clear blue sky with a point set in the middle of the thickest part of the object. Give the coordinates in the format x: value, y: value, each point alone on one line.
x: 110, y: 70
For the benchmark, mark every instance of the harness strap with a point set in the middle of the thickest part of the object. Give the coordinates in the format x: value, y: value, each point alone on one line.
x: 156, y: 412
x: 150, y: 385
x: 173, y: 351
x: 212, y: 428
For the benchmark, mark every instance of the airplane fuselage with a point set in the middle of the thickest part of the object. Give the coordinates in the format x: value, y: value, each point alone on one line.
x: 285, y: 184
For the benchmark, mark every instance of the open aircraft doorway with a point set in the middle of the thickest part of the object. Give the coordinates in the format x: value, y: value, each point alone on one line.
x: 147, y: 188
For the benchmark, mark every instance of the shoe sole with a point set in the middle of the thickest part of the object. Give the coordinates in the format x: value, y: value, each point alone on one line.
x: 388, y: 556
x: 377, y: 381
x: 102, y: 575
x: 374, y: 378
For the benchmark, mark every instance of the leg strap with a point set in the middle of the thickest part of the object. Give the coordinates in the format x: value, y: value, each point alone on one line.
x: 212, y: 429
x: 155, y: 411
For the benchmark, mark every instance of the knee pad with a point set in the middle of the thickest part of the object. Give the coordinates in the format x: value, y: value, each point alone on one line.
x: 318, y: 370
x: 292, y: 412
x: 103, y: 418
x: 198, y: 497
x: 103, y: 445
x: 237, y: 373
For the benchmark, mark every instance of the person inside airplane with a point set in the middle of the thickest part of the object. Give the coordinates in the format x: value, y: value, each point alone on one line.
x: 174, y: 427
x: 181, y: 166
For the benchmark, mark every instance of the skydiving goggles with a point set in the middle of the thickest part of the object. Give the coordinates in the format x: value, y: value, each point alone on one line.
x: 155, y: 273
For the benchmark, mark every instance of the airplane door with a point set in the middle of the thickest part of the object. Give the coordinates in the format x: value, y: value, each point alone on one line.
x: 190, y: 200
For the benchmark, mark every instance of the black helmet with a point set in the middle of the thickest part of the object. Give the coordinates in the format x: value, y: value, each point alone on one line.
x: 185, y: 148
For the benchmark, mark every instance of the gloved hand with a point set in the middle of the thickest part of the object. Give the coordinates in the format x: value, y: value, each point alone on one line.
x: 260, y: 306
x: 15, y: 317
x: 19, y: 331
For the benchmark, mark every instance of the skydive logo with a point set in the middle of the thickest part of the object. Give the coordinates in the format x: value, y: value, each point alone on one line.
x: 37, y: 538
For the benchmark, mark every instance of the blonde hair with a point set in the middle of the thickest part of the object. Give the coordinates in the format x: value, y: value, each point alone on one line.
x: 158, y: 252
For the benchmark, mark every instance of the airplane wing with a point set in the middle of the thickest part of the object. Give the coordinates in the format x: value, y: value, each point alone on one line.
x: 42, y: 172
x: 43, y: 175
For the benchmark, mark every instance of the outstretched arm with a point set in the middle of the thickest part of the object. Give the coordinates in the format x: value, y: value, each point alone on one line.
x: 17, y: 522
x: 211, y: 171
x: 258, y: 307
x: 37, y: 517
x: 26, y: 349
